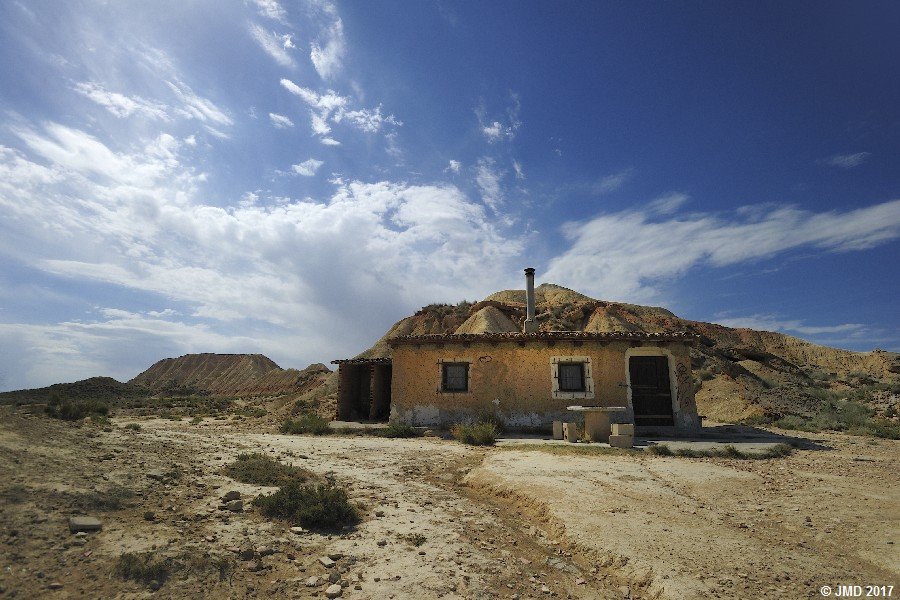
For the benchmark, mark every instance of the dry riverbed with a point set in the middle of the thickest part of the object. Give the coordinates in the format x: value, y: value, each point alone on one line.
x: 440, y: 520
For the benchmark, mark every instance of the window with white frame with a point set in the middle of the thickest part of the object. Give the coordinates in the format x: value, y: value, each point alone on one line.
x: 572, y: 377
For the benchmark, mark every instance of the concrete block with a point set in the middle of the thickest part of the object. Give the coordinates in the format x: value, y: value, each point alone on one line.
x: 623, y: 429
x: 557, y: 430
x: 621, y: 441
x: 570, y: 432
x: 77, y: 524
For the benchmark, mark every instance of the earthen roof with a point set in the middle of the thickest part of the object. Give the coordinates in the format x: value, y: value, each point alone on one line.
x: 362, y: 361
x: 541, y: 336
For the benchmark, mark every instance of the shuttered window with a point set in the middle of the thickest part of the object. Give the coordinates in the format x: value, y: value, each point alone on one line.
x: 571, y: 377
x: 455, y: 377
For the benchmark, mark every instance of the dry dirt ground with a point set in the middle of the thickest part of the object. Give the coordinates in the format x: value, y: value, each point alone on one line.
x: 496, y: 523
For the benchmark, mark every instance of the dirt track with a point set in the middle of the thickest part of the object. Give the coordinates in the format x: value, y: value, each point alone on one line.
x: 528, y: 523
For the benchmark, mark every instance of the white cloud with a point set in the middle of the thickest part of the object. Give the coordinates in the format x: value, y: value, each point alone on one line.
x: 327, y: 141
x: 308, y: 167
x: 764, y: 322
x: 495, y: 130
x: 847, y: 161
x: 611, y: 183
x: 271, y: 10
x: 197, y: 107
x: 668, y: 204
x: 453, y: 166
x: 75, y: 208
x: 488, y: 178
x: 121, y: 105
x: 328, y: 51
x: 274, y: 45
x: 280, y: 121
x: 332, y: 108
x: 625, y: 255
x: 517, y: 166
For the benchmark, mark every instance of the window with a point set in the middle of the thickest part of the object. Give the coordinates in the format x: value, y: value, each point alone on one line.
x: 571, y: 377
x: 455, y: 377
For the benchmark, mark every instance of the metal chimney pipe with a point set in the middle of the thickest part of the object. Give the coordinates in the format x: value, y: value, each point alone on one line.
x: 530, y: 323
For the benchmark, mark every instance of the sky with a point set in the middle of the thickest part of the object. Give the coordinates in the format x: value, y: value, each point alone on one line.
x: 291, y: 177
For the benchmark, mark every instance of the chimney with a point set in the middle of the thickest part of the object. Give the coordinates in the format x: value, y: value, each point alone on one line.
x: 531, y: 325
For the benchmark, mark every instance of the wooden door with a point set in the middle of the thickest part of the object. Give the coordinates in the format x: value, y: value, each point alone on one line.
x: 651, y: 394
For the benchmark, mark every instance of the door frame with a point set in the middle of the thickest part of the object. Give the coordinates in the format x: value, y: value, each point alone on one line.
x: 673, y: 381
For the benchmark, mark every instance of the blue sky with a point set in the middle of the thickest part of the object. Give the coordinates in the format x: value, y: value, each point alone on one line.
x: 292, y: 177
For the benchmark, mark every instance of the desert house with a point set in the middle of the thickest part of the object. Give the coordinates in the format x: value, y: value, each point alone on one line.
x: 525, y: 379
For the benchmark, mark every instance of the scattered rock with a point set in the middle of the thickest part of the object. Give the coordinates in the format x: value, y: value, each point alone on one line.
x: 297, y: 530
x: 334, y: 591
x: 312, y: 582
x: 235, y: 506
x: 326, y: 561
x: 335, y: 556
x: 55, y: 586
x: 149, y: 515
x: 232, y: 495
x: 382, y: 543
x: 77, y: 524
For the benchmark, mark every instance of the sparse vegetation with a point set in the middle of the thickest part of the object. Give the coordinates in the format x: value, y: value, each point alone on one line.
x: 729, y: 451
x: 313, y: 424
x: 73, y: 410
x: 260, y: 469
x: 144, y: 567
x: 315, y: 506
x: 133, y: 426
x: 416, y: 539
x: 479, y: 434
x: 397, y: 430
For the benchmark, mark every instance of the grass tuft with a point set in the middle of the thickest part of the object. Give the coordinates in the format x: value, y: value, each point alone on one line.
x: 729, y: 451
x: 314, y: 506
x: 479, y: 434
x: 313, y: 424
x: 260, y: 469
x: 144, y: 567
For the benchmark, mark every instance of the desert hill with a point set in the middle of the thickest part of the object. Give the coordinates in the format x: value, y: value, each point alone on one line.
x: 227, y: 375
x: 740, y: 373
x: 105, y: 389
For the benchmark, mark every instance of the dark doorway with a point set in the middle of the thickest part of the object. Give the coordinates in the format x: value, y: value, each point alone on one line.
x: 364, y: 390
x: 651, y: 394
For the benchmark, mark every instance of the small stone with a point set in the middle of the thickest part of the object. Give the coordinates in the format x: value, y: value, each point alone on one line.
x: 334, y: 577
x: 379, y: 513
x: 335, y: 556
x: 265, y: 551
x: 312, y: 582
x: 326, y: 562
x: 334, y: 591
x: 297, y: 530
x: 545, y: 589
x: 55, y: 586
x: 235, y: 506
x: 149, y: 515
x: 382, y: 543
x: 154, y: 585
x: 77, y: 524
x: 232, y: 495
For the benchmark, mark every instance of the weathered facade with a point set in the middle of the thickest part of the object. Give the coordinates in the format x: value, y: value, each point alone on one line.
x: 523, y: 379
x: 520, y: 379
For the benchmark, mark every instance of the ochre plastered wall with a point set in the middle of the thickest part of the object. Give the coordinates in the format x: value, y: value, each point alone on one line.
x: 513, y: 381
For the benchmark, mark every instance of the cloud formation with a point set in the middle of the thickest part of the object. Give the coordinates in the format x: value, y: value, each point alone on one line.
x: 274, y: 45
x: 625, y: 255
x: 327, y: 52
x: 331, y: 108
x: 308, y: 167
x: 847, y: 161
x: 280, y: 121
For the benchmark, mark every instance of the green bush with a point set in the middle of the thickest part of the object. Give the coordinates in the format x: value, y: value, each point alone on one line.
x: 133, y: 426
x: 728, y: 451
x: 843, y: 415
x: 73, y: 410
x: 313, y: 424
x: 479, y: 434
x: 260, y: 469
x: 315, y: 506
x: 397, y: 430
x: 143, y: 567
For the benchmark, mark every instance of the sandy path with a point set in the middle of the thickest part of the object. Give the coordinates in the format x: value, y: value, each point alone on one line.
x: 694, y: 528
